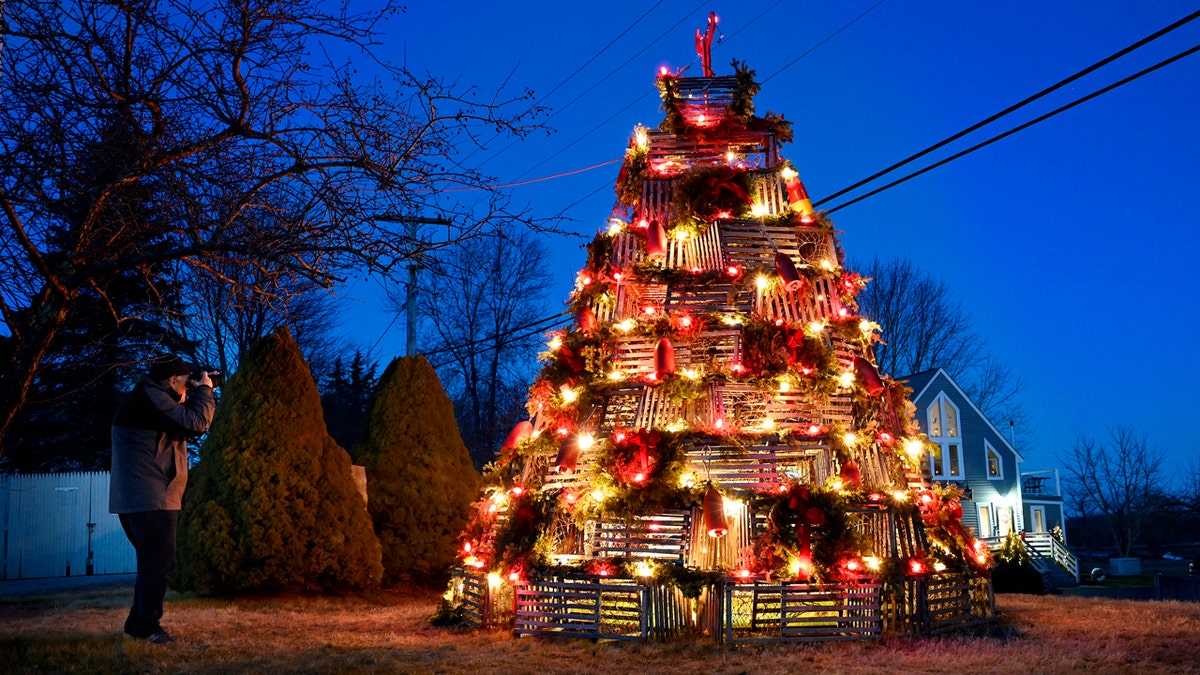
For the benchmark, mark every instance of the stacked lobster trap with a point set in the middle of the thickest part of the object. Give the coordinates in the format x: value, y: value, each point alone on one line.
x: 711, y: 449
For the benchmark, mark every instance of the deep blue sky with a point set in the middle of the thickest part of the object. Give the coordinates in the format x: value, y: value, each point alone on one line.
x: 1071, y: 243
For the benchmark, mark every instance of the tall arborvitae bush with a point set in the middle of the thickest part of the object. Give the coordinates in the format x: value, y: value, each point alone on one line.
x: 419, y: 474
x: 272, y: 505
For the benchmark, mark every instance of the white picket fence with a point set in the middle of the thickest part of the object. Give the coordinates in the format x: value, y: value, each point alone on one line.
x: 54, y: 525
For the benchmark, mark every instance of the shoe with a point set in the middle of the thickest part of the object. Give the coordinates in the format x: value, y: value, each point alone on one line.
x: 161, y: 637
x: 158, y: 637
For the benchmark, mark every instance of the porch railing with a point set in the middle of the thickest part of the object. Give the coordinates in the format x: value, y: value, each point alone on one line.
x: 1049, y: 546
x: 1044, y: 551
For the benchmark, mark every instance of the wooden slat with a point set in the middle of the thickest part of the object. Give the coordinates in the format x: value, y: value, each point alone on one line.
x: 817, y: 301
x: 761, y: 467
x: 672, y: 154
x: 803, y: 612
x: 612, y: 610
x: 661, y: 536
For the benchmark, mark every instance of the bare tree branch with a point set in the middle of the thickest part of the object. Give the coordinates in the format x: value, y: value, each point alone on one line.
x: 1118, y: 481
x: 242, y: 142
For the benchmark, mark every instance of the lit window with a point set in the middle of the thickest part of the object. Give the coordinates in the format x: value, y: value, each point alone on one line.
x: 995, y: 467
x: 945, y: 460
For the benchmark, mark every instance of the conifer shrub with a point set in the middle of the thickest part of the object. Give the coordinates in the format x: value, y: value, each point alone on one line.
x: 272, y: 506
x: 419, y: 473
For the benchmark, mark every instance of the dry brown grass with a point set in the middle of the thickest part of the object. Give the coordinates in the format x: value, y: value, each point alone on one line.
x: 388, y: 632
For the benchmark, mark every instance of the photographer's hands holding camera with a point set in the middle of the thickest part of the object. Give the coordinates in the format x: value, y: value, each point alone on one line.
x: 204, y: 379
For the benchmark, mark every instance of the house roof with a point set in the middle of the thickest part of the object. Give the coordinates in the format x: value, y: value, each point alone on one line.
x: 921, y: 382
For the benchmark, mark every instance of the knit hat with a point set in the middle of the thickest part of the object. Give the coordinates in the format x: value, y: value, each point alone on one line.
x: 167, y: 366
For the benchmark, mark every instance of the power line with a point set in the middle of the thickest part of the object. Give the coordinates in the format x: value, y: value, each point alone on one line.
x: 602, y: 80
x: 1020, y: 127
x: 537, y: 326
x: 527, y: 182
x: 1062, y: 83
x: 638, y: 99
x: 570, y: 77
x: 827, y: 39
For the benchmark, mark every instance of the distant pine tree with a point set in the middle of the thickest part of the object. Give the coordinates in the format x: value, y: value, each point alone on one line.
x: 272, y: 505
x: 419, y: 474
x: 344, y: 396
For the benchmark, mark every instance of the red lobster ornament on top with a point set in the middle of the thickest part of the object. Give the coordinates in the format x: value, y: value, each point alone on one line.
x: 704, y: 44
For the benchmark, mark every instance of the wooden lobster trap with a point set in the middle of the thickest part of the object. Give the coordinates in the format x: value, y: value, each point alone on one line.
x: 766, y: 612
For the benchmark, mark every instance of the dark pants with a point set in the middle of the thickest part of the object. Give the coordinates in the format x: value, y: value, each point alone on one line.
x: 152, y: 534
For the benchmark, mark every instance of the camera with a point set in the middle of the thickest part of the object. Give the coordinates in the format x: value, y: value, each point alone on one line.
x: 214, y: 376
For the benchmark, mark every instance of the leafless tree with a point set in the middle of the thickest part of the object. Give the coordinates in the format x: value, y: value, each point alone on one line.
x: 225, y: 319
x: 1191, y: 484
x: 1120, y: 481
x: 241, y: 141
x: 925, y: 327
x: 483, y: 307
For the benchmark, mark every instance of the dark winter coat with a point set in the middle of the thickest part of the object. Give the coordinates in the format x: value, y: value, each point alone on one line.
x: 149, y: 446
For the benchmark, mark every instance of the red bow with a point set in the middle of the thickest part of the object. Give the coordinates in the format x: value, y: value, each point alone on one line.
x: 810, y: 517
x: 724, y: 180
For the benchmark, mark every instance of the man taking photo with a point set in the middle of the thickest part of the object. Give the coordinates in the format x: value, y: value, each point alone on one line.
x: 149, y: 474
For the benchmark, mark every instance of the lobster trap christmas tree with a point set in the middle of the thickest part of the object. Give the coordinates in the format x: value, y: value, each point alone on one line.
x: 710, y: 447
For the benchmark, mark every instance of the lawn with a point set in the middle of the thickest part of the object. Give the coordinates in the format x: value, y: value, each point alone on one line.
x: 388, y: 632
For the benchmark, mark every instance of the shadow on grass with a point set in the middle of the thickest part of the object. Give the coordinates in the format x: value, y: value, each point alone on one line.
x: 65, y: 654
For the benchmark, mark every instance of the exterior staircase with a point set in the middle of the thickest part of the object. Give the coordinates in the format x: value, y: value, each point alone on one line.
x: 1058, y: 566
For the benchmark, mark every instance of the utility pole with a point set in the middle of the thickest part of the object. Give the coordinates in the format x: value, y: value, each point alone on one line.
x: 414, y: 264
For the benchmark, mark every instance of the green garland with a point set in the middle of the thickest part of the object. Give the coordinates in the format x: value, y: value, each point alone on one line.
x: 673, y: 121
x: 632, y: 175
x: 742, y: 106
x: 659, y: 490
x: 775, y: 124
x: 517, y: 537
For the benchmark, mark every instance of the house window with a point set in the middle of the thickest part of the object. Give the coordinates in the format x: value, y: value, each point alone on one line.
x: 985, y: 520
x: 995, y: 467
x: 945, y: 460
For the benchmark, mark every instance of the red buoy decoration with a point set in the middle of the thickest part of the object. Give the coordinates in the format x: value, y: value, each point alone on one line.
x: 522, y: 431
x: 586, y: 319
x: 871, y: 380
x: 664, y: 358
x: 568, y: 455
x: 798, y: 199
x: 656, y: 241
x: 792, y: 281
x: 714, y: 513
